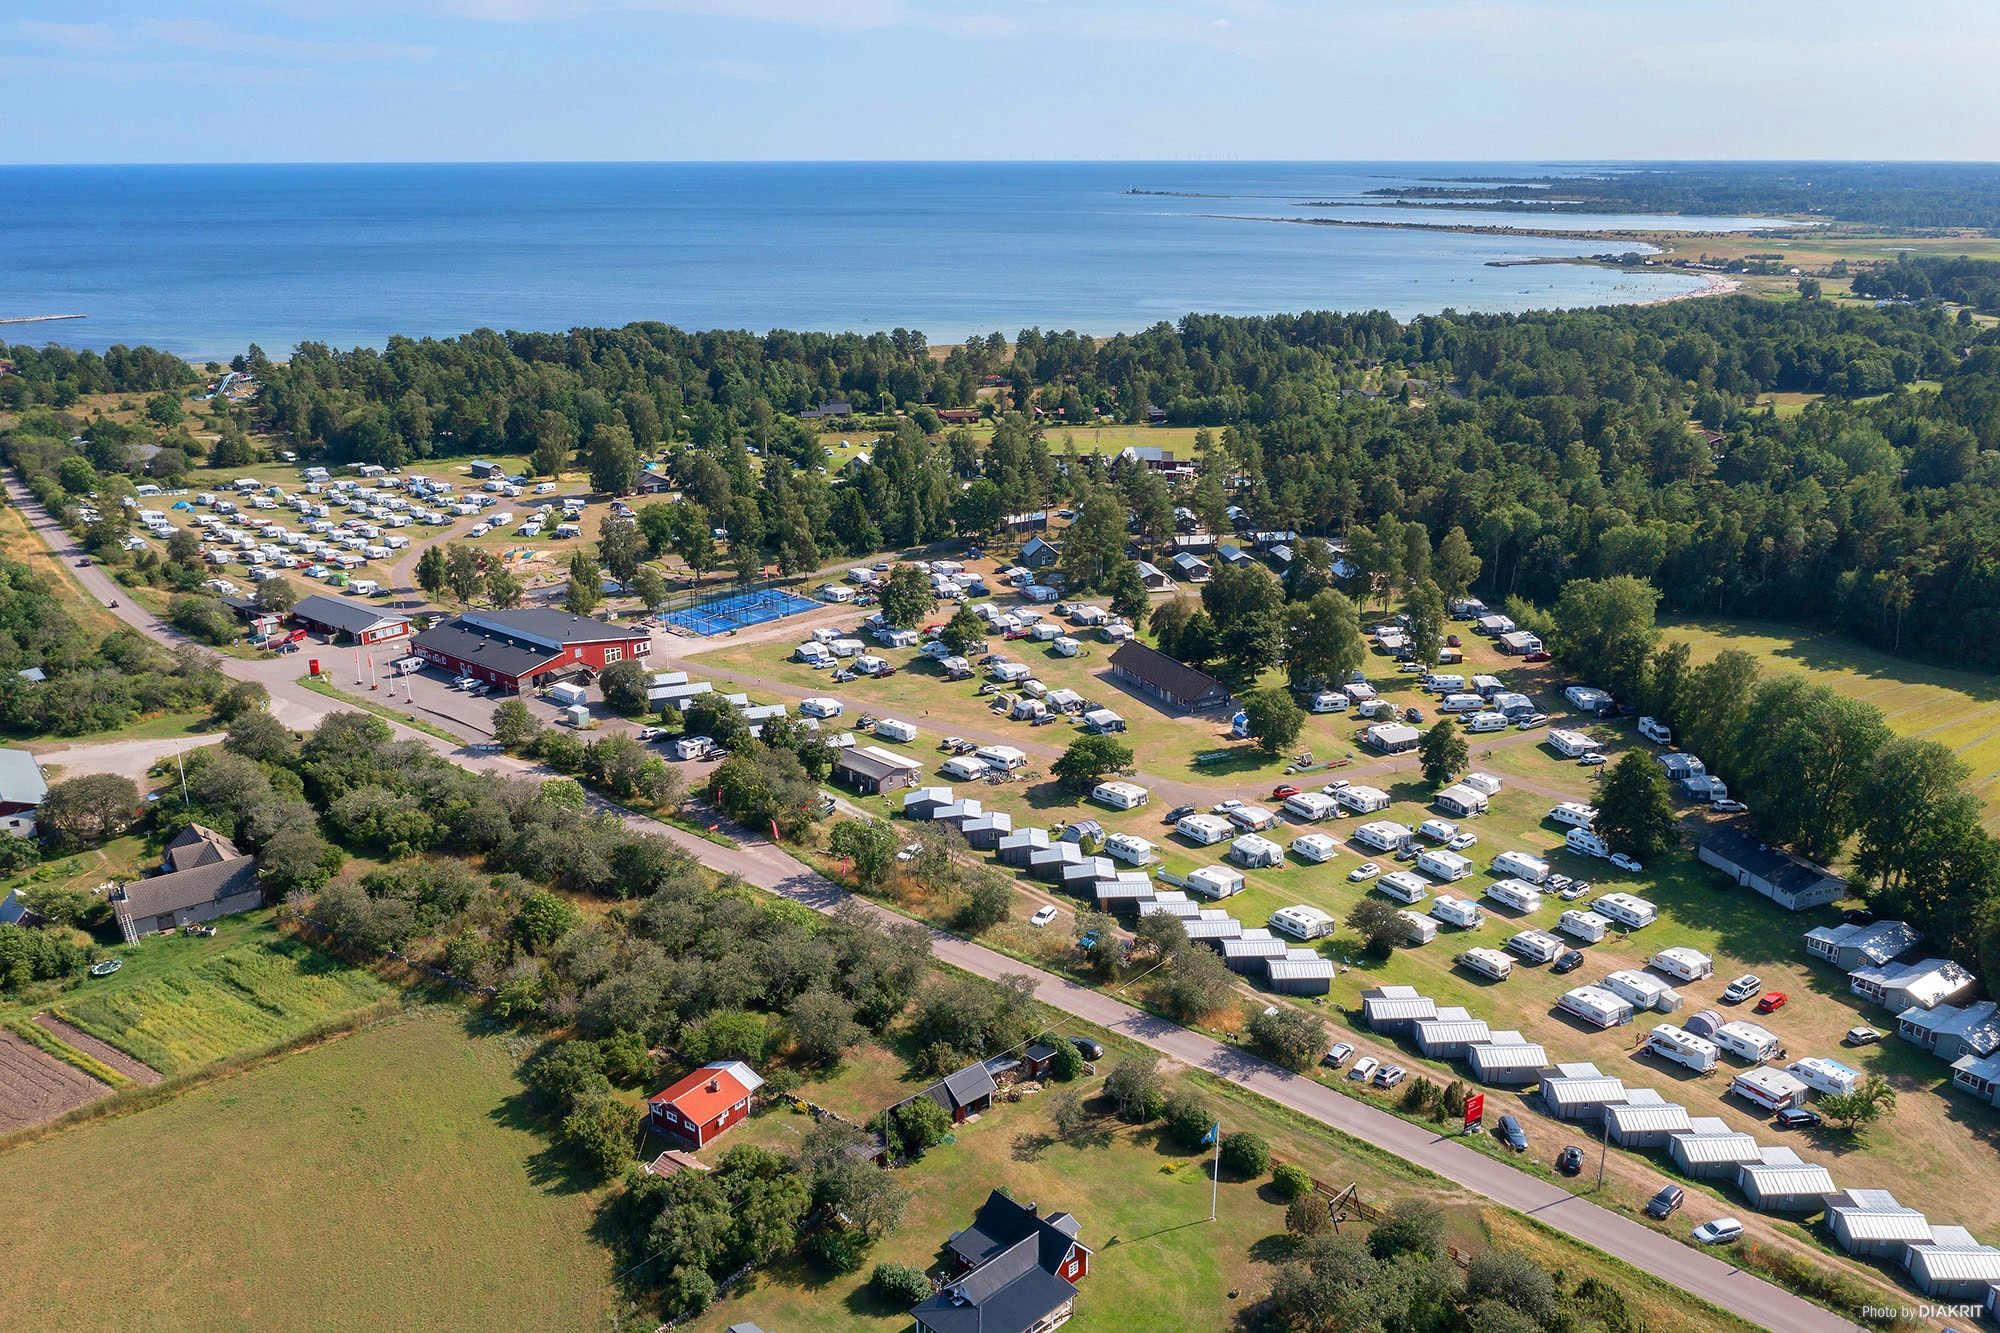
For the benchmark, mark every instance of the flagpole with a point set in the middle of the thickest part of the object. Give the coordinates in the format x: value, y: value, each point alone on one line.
x: 1215, y: 1172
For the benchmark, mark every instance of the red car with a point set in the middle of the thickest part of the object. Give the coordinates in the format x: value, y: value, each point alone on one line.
x: 1280, y: 793
x: 1451, y: 641
x: 1773, y: 1000
x: 1537, y: 656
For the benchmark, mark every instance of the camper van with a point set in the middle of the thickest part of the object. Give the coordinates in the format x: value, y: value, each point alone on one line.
x: 1586, y: 926
x: 1520, y: 865
x: 1403, y: 886
x: 1488, y: 963
x: 1748, y: 1041
x: 1586, y: 843
x: 1627, y: 911
x: 1573, y: 814
x: 1119, y: 795
x: 1682, y: 1047
x: 1595, y: 1005
x: 1514, y: 893
x: 1536, y: 946
x: 1655, y: 731
x: 1682, y: 963
x: 1456, y: 912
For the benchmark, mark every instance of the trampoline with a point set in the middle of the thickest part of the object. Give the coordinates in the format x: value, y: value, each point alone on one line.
x: 735, y: 611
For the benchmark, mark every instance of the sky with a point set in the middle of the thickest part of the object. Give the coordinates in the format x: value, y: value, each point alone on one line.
x: 152, y: 81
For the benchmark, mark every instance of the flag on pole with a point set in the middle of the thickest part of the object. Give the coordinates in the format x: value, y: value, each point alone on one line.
x: 1214, y: 1134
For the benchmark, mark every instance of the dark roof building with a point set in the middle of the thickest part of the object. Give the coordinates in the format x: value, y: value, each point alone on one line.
x: 358, y: 620
x: 207, y: 878
x: 1171, y: 682
x: 1787, y: 880
x: 528, y: 649
x: 1020, y: 1272
x: 873, y: 771
x: 22, y: 790
x: 963, y: 1093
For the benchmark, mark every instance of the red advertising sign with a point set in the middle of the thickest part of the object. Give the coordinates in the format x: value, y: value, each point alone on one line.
x: 1475, y: 1110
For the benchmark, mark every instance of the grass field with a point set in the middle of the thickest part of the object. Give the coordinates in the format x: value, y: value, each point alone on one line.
x: 179, y: 1003
x: 386, y: 1180
x: 19, y: 542
x: 1960, y: 709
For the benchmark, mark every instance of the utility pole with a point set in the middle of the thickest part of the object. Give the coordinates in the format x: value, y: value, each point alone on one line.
x: 1603, y: 1151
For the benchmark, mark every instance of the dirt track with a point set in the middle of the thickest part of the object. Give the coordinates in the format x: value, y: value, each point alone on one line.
x: 36, y: 1088
x: 101, y: 1051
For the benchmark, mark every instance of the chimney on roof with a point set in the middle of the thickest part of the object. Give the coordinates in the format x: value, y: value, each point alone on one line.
x: 715, y: 1085
x: 1034, y: 1210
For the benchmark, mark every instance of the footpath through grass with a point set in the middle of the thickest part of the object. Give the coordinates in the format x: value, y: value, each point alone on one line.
x: 386, y: 1180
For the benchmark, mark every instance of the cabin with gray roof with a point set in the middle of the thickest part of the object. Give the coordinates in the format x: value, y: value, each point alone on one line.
x: 205, y: 878
x: 1017, y: 1272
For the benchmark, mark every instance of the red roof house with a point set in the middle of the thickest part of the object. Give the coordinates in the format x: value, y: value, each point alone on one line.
x: 706, y: 1102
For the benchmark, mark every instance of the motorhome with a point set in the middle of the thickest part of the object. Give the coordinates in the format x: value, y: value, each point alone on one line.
x: 1748, y: 1041
x: 1445, y: 865
x: 1595, y: 1005
x: 1536, y: 946
x: 1573, y: 814
x: 1516, y: 894
x: 1119, y: 795
x: 1383, y: 835
x: 1303, y: 922
x: 1403, y: 886
x: 1683, y: 1048
x: 1625, y: 910
x: 1586, y: 926
x: 1520, y: 865
x: 1655, y: 731
x: 1584, y: 842
x: 1682, y: 963
x: 1456, y: 912
x: 1488, y: 963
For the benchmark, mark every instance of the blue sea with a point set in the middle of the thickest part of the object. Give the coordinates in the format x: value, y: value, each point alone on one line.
x: 204, y: 260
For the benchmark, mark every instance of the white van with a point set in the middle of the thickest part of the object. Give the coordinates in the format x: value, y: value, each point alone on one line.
x: 1655, y: 731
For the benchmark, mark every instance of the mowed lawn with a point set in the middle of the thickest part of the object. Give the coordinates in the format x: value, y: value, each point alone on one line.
x: 1960, y: 709
x: 386, y: 1180
x: 179, y: 1003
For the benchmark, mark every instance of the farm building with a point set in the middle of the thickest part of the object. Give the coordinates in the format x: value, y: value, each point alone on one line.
x: 1507, y: 1064
x: 1578, y: 1091
x: 1850, y: 946
x: 1792, y: 882
x: 1300, y: 972
x: 1461, y: 801
x: 528, y: 649
x: 1870, y: 1223
x: 1956, y: 1268
x: 1949, y: 1031
x: 705, y: 1103
x: 1173, y: 683
x: 1395, y: 1010
x: 22, y: 790
x: 1926, y: 984
x: 1712, y: 1156
x: 1648, y: 1124
x: 362, y: 622
x: 874, y: 771
x: 1784, y: 1187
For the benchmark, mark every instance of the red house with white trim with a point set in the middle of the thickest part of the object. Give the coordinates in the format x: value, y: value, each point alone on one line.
x: 706, y: 1102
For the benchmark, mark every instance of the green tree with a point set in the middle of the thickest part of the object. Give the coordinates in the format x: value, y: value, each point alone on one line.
x: 868, y: 845
x: 585, y: 590
x: 1129, y: 597
x: 465, y: 571
x: 1246, y: 1154
x: 1634, y: 814
x: 1290, y: 1037
x: 978, y: 509
x: 1602, y: 629
x: 694, y: 539
x: 1913, y: 787
x: 1275, y: 720
x: 276, y: 595
x: 614, y: 462
x: 555, y: 436
x: 1857, y: 1110
x: 431, y: 571
x: 649, y: 587
x: 514, y: 726
x: 1308, y: 1216
x: 1802, y: 756
x: 964, y: 632
x: 900, y: 1284
x: 1323, y: 640
x: 603, y: 1131
x: 164, y: 410
x: 822, y: 1027
x: 916, y: 1126
x: 93, y: 806
x: 1426, y: 610
x: 907, y: 596
x: 1196, y: 985
x: 1094, y: 544
x: 624, y: 684
x: 619, y: 547
x: 1379, y: 925
x: 1443, y: 753
x: 1291, y: 1181
x: 1088, y: 759
x: 503, y: 590
x: 1455, y: 567
x: 1135, y: 1087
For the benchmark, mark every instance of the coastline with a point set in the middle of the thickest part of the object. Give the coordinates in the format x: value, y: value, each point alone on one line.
x: 1713, y: 284
x: 1487, y: 229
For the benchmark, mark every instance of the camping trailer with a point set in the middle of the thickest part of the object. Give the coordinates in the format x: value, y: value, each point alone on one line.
x: 1119, y: 795
x: 1488, y: 963
x: 1586, y: 926
x: 894, y: 729
x: 1515, y: 894
x: 1303, y: 922
x: 1573, y: 814
x: 1456, y: 912
x: 1417, y: 930
x: 1403, y: 886
x: 1445, y: 865
x: 1595, y: 1005
x: 1584, y: 842
x: 1384, y: 835
x: 1827, y: 1076
x: 1772, y: 1089
x: 1625, y: 910
x: 1682, y: 963
x: 1747, y: 1041
x: 1682, y: 1047
x: 1314, y: 847
x: 1536, y: 946
x: 1520, y: 865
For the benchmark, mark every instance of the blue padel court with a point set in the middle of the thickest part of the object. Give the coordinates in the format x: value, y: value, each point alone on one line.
x: 737, y: 611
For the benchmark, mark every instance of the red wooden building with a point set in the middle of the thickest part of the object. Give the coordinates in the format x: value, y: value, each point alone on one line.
x: 529, y: 649
x: 706, y: 1102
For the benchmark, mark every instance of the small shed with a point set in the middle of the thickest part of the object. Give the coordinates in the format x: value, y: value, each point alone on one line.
x: 1507, y: 1065
x: 1450, y: 1039
x: 1252, y: 950
x: 1579, y: 1092
x: 1395, y: 1010
x: 1300, y: 972
x: 1712, y: 1156
x: 1773, y: 1187
x: 1871, y: 1224
x: 1018, y: 847
x: 1957, y: 1273
x: 1645, y: 1125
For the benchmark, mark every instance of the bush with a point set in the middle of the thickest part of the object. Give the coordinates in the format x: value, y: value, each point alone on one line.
x: 1290, y: 1037
x: 1308, y: 1216
x: 900, y: 1284
x: 1188, y: 1118
x: 834, y: 1252
x: 1246, y: 1154
x: 1292, y: 1181
x: 1067, y: 1063
x: 1134, y: 1087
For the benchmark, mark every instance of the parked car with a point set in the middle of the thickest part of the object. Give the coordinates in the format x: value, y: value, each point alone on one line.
x: 1463, y: 841
x: 1280, y: 792
x: 1576, y: 890
x: 1664, y: 1204
x: 1624, y: 862
x: 1858, y: 916
x: 1537, y: 656
x: 1862, y: 1036
x: 1798, y: 1117
x: 1337, y: 1057
x: 1088, y: 1049
x: 911, y: 852
x: 1591, y: 760
x: 1364, y: 1069
x: 1043, y: 916
x: 1570, y: 1160
x: 1719, y: 1232
x: 1224, y: 807
x: 1407, y: 852
x: 1413, y: 715
x: 1390, y: 1076
x: 1509, y: 1132
x: 1451, y: 641
x: 1569, y: 962
x: 1773, y: 1002
x: 1178, y: 813
x: 1728, y: 805
x: 1531, y: 721
x: 1366, y: 870
x: 1742, y: 988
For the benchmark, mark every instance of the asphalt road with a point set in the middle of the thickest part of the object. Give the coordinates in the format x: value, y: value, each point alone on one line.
x: 770, y: 867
